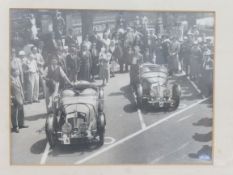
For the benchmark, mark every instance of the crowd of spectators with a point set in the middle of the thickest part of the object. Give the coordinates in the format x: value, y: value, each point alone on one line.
x: 101, y: 55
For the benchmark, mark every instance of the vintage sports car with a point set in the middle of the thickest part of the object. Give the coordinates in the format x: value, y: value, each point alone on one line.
x: 73, y: 110
x: 155, y: 89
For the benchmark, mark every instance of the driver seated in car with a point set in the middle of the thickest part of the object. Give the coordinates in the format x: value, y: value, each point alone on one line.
x: 54, y: 75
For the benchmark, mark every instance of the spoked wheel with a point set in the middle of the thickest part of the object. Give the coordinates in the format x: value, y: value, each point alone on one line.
x: 101, y: 128
x: 50, y: 130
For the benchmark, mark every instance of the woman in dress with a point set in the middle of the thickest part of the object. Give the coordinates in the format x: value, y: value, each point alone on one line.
x: 104, y: 65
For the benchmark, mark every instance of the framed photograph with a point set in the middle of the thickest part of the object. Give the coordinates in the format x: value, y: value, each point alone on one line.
x: 123, y: 88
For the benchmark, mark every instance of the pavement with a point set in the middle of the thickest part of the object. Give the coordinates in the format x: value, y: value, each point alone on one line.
x: 133, y: 136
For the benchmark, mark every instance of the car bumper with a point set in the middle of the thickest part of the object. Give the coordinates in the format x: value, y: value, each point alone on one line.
x: 69, y: 139
x: 160, y: 102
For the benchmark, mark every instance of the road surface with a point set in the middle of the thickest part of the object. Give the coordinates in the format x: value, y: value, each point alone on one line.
x: 133, y: 136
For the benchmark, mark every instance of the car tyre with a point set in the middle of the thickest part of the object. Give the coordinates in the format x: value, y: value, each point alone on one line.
x: 101, y: 128
x: 101, y: 100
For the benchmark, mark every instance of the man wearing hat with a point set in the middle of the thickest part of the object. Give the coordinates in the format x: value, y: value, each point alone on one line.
x: 195, y: 60
x: 24, y: 61
x: 16, y: 63
x: 17, y: 97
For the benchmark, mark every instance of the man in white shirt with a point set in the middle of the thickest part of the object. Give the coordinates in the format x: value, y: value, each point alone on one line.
x: 33, y: 75
x: 17, y: 96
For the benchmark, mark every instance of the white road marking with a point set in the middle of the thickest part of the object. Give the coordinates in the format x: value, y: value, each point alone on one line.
x: 111, y: 140
x: 143, y: 125
x: 137, y: 133
x: 184, y: 118
x: 45, y: 154
x: 163, y: 156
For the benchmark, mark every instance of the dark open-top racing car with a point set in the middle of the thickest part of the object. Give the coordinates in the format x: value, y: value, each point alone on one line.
x: 154, y: 87
x: 74, y: 109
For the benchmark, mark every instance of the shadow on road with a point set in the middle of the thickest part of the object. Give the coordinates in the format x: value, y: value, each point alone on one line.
x: 38, y: 147
x: 35, y: 117
x: 205, y: 153
x: 130, y: 108
x: 208, y: 122
x: 147, y: 108
x: 127, y: 92
x: 80, y: 148
x: 203, y: 137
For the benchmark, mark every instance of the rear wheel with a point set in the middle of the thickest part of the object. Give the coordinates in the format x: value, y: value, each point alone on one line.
x: 101, y: 128
x: 50, y: 130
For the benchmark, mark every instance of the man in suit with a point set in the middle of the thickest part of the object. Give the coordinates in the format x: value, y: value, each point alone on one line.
x: 17, y: 101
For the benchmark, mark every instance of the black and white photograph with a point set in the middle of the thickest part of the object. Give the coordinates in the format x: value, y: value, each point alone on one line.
x: 111, y: 87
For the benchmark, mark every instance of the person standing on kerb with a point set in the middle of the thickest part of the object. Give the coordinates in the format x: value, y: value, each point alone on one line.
x: 17, y: 97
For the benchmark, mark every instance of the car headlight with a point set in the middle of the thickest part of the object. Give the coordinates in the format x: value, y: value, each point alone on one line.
x: 66, y: 127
